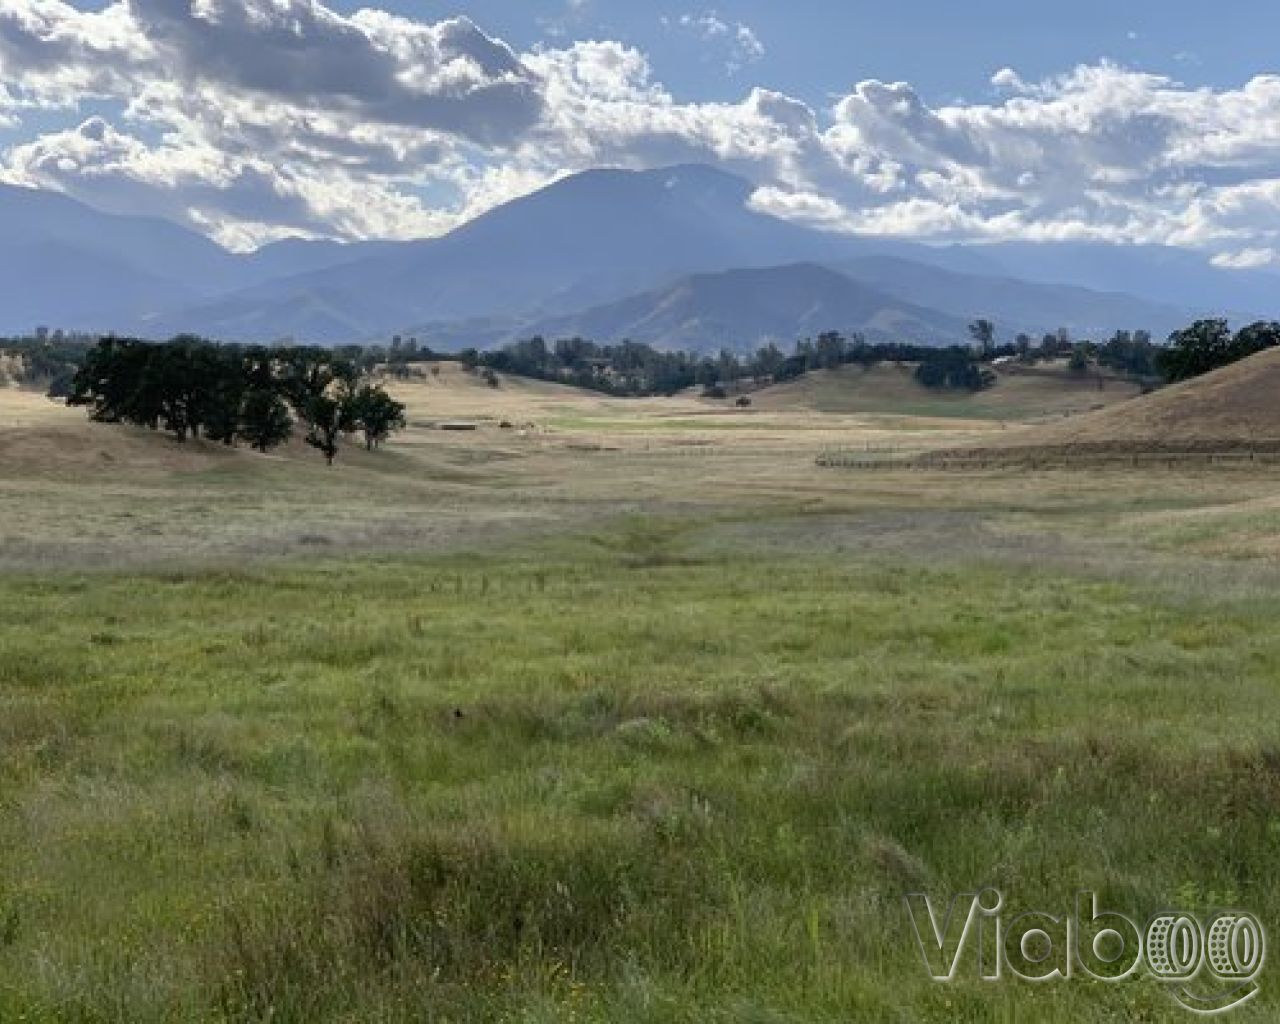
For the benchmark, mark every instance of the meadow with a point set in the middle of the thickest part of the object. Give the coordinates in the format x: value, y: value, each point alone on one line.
x: 620, y: 716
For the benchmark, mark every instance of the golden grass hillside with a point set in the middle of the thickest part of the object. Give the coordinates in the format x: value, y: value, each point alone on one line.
x: 1020, y: 394
x: 40, y: 437
x: 554, y: 414
x: 1238, y: 404
x: 75, y: 494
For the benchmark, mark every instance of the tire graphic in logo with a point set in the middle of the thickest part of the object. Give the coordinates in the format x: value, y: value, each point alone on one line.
x: 1236, y: 947
x: 1175, y: 947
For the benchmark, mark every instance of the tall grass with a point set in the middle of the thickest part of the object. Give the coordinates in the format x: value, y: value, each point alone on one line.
x: 607, y: 782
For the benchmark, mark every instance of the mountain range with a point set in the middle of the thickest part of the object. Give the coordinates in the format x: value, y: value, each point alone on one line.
x: 703, y: 312
x: 675, y: 257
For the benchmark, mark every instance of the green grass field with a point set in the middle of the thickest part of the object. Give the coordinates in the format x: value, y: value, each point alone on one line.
x: 614, y: 778
x: 491, y: 728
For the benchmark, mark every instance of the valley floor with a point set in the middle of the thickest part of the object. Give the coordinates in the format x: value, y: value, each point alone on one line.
x: 625, y: 712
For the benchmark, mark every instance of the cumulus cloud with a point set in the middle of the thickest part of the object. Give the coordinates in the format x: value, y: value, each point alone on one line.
x: 242, y: 201
x: 1102, y: 153
x: 373, y: 66
x: 53, y: 54
x: 254, y: 119
x: 281, y: 103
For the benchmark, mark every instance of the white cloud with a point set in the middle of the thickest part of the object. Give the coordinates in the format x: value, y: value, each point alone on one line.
x: 802, y: 207
x: 242, y: 202
x: 52, y: 54
x: 1102, y: 153
x: 741, y: 46
x: 272, y: 115
x: 1247, y: 259
x: 252, y: 119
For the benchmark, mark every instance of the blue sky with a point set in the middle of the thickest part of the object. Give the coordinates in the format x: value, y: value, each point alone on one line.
x: 252, y: 120
x: 947, y: 49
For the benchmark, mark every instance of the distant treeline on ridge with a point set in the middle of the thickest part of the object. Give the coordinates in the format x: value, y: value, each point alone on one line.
x: 631, y: 368
x: 256, y: 394
x: 636, y: 369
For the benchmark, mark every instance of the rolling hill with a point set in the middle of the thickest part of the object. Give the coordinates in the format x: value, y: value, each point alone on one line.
x: 744, y: 309
x: 1237, y: 404
x: 888, y: 389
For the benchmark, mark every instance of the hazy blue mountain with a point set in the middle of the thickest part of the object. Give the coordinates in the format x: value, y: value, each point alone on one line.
x: 293, y: 256
x: 737, y: 309
x: 65, y: 264
x: 602, y: 237
x: 589, y: 241
x: 936, y: 303
x: 1018, y: 306
x: 1162, y: 274
x: 592, y: 238
x: 313, y: 315
x: 63, y: 285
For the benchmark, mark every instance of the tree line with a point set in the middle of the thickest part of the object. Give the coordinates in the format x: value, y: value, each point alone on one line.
x: 256, y: 394
x: 633, y: 369
x: 234, y: 394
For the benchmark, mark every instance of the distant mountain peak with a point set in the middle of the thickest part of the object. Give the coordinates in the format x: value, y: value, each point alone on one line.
x: 701, y: 176
x: 588, y: 241
x: 679, y: 182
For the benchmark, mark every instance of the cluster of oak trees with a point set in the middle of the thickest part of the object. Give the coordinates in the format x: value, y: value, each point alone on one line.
x: 231, y: 393
x: 1208, y: 345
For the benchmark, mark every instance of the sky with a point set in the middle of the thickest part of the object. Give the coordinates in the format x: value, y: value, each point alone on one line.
x: 253, y: 120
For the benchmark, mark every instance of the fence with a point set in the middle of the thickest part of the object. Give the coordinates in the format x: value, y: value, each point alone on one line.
x: 1048, y: 459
